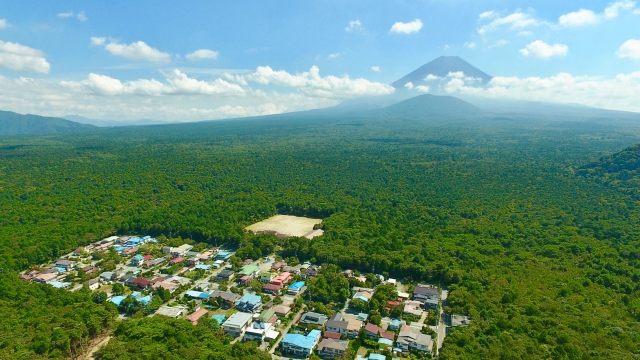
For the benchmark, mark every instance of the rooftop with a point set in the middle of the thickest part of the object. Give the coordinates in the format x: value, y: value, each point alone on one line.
x: 238, y: 319
x: 301, y: 341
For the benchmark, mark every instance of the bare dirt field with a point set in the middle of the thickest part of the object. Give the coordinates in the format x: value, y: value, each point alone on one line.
x: 286, y: 224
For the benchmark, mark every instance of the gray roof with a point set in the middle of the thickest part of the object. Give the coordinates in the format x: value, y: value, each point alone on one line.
x: 337, y: 324
x: 314, y: 318
x: 225, y: 295
x: 238, y: 319
x: 423, y: 339
x: 423, y: 290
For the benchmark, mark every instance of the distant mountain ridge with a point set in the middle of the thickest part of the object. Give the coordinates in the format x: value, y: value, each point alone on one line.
x: 441, y: 67
x: 429, y: 105
x: 12, y: 123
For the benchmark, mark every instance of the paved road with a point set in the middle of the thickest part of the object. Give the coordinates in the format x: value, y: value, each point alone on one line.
x: 441, y: 329
x: 284, y: 332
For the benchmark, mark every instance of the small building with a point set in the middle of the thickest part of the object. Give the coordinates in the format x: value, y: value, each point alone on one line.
x: 137, y: 260
x: 78, y: 251
x: 278, y: 265
x: 46, y: 278
x: 171, y: 311
x: 282, y: 279
x: 247, y: 262
x: 203, y: 267
x: 129, y: 251
x: 295, y: 288
x: 271, y: 289
x: 394, y: 325
x: 422, y: 292
x: 217, y: 263
x: 236, y: 323
x: 166, y: 284
x: 364, y: 294
x: 257, y: 331
x: 117, y: 299
x: 222, y: 255
x: 331, y: 335
x: 300, y: 345
x: 375, y: 332
x: 142, y: 283
x: 106, y: 277
x: 196, y: 316
x: 177, y: 260
x: 229, y: 299
x: 93, y: 284
x: 155, y: 262
x: 177, y: 251
x: 197, y: 294
x: 412, y: 307
x: 90, y: 269
x: 332, y: 348
x: 313, y: 318
x: 312, y: 271
x: 249, y: 303
x: 267, y: 276
x: 281, y: 310
x: 225, y: 275
x: 66, y: 264
x: 59, y: 285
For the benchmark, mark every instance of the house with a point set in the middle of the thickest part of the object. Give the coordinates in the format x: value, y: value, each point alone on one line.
x: 117, y: 299
x: 459, y: 320
x: 106, y: 277
x: 128, y: 279
x: 193, y: 261
x: 65, y: 264
x: 300, y: 345
x: 281, y: 310
x: 412, y: 307
x: 313, y: 318
x: 375, y: 332
x: 190, y: 254
x: 278, y: 265
x: 332, y: 348
x: 409, y: 340
x: 266, y: 276
x: 78, y: 251
x: 177, y: 260
x: 249, y: 270
x: 364, y: 294
x: 247, y: 262
x: 257, y: 331
x: 203, y: 267
x: 225, y: 275
x: 244, y: 279
x: 229, y: 299
x: 422, y: 292
x: 90, y: 269
x: 271, y: 289
x: 171, y: 311
x: 249, y: 303
x: 353, y: 328
x: 223, y: 255
x: 266, y: 315
x: 59, y: 285
x: 347, y: 273
x: 93, y: 284
x: 177, y: 251
x: 394, y: 325
x: 312, y: 271
x: 217, y: 263
x: 167, y: 284
x: 295, y: 270
x: 236, y: 323
x: 142, y: 283
x: 46, y: 278
x: 129, y: 251
x: 295, y: 288
x: 282, y: 279
x: 137, y: 260
x: 331, y: 335
x: 196, y: 315
x: 197, y: 294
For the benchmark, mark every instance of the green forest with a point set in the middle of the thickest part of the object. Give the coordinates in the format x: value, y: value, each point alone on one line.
x: 526, y: 220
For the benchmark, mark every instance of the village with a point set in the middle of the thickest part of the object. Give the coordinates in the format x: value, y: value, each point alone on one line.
x: 262, y: 300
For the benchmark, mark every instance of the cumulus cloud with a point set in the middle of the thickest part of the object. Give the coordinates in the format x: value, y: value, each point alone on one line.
x: 515, y: 21
x: 630, y: 49
x: 406, y: 28
x: 618, y: 93
x: 22, y: 58
x: 422, y: 88
x: 488, y: 15
x: 409, y: 85
x: 311, y: 83
x: 376, y: 69
x: 202, y: 54
x: 66, y: 14
x: 470, y: 45
x: 431, y: 77
x: 333, y: 56
x: 135, y: 51
x: 354, y: 25
x: 541, y: 49
x: 584, y: 17
x: 81, y: 16
x: 3, y: 24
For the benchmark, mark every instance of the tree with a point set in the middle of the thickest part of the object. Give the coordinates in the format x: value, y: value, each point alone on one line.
x: 117, y: 289
x: 99, y: 297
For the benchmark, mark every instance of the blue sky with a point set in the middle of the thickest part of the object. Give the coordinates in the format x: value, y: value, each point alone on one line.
x: 129, y: 60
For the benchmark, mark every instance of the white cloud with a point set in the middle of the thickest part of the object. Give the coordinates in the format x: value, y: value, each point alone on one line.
x: 630, y: 49
x: 406, y: 28
x: 66, y: 14
x: 422, y: 88
x: 470, y: 45
x: 618, y: 93
x: 636, y: 12
x: 525, y: 33
x: 579, y: 18
x: 4, y: 24
x: 136, y: 51
x: 333, y: 56
x: 517, y: 20
x: 97, y: 41
x: 202, y: 54
x: 499, y: 43
x: 409, y: 85
x: 22, y: 58
x: 354, y: 25
x: 488, y: 15
x: 613, y: 10
x: 431, y: 77
x: 311, y: 83
x: 541, y: 49
x: 376, y: 69
x: 584, y: 17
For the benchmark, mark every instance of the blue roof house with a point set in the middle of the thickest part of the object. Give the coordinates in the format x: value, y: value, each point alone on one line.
x: 145, y: 299
x: 249, y: 303
x: 220, y: 318
x: 300, y: 345
x: 59, y: 285
x: 295, y: 288
x: 222, y: 255
x: 197, y: 294
x: 395, y: 324
x: 117, y: 300
x: 137, y: 260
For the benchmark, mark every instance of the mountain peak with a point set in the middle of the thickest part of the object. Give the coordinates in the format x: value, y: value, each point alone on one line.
x: 441, y: 67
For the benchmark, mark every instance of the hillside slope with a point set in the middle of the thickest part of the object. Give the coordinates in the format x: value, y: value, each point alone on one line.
x: 429, y: 105
x: 17, y: 124
x: 620, y: 171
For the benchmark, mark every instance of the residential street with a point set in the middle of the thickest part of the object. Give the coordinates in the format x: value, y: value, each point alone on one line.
x: 442, y: 327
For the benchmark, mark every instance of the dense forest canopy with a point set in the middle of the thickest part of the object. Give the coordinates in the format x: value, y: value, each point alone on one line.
x: 545, y: 261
